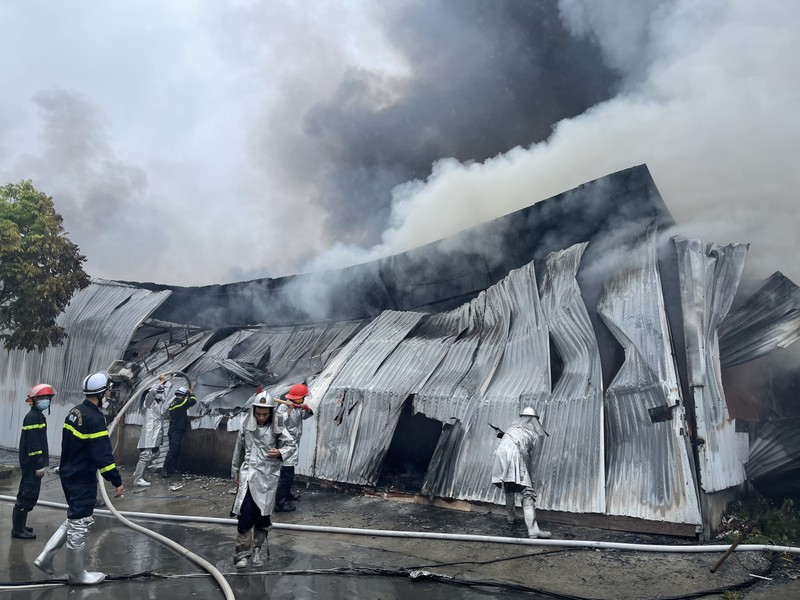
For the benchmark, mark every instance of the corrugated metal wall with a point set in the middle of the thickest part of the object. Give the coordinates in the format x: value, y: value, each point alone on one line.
x: 99, y: 321
x: 649, y: 473
x: 709, y: 278
x: 468, y: 367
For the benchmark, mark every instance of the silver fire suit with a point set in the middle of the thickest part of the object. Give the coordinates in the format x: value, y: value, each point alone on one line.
x: 512, y: 455
x: 257, y: 472
x: 152, y: 434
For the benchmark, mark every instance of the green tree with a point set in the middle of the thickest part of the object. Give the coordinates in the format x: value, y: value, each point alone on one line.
x: 40, y: 269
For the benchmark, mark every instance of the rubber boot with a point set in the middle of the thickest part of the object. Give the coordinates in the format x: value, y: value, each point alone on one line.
x: 511, y: 509
x: 45, y: 559
x: 18, y: 530
x: 529, y: 511
x: 138, y: 474
x: 76, y: 569
x: 242, y: 549
x: 259, y: 537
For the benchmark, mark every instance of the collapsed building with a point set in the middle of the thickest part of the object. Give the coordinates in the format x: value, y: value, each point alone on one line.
x: 583, y: 306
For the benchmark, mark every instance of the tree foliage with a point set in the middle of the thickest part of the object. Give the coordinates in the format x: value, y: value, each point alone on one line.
x: 40, y: 269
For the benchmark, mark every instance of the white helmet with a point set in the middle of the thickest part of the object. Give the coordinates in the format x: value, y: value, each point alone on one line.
x: 264, y: 400
x: 528, y: 412
x: 97, y: 383
x: 182, y: 391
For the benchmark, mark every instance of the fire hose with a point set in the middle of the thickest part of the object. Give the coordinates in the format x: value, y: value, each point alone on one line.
x: 172, y: 544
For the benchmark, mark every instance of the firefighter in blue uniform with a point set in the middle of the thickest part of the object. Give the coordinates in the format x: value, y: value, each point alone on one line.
x: 85, y: 450
x: 34, y: 458
x: 178, y: 422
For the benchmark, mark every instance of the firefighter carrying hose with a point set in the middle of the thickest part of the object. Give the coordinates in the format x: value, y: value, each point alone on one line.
x: 85, y: 450
x: 34, y: 458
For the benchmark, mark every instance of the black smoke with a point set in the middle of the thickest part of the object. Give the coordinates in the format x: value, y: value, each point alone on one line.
x: 485, y: 76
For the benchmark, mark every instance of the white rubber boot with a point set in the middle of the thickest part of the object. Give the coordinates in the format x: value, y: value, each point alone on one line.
x: 45, y: 559
x: 76, y: 569
x: 529, y: 511
x: 77, y: 530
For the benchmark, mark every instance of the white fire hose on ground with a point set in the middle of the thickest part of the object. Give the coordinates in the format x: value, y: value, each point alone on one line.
x: 455, y: 537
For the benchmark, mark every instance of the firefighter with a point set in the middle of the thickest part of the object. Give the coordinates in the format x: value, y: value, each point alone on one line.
x: 295, y: 411
x: 85, y: 450
x: 34, y: 458
x: 510, y: 468
x: 261, y: 445
x: 178, y: 422
x: 152, y: 433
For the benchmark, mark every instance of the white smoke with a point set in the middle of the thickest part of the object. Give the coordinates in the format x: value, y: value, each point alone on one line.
x: 195, y: 150
x: 709, y: 105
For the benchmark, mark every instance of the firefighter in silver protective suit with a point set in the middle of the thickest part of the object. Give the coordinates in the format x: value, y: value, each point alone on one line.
x: 85, y: 450
x: 510, y: 467
x: 152, y: 433
x: 262, y: 444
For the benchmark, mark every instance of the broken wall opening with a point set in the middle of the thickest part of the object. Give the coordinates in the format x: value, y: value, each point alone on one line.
x: 415, y: 438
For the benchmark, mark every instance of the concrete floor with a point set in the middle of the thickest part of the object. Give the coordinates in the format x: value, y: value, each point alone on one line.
x: 556, y: 572
x: 124, y: 554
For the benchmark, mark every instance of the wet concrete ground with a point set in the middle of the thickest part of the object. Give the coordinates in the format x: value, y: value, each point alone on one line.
x: 299, y: 565
x: 332, y: 565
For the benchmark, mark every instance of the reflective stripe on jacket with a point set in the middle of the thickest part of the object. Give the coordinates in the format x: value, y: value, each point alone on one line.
x: 178, y: 421
x: 33, y: 450
x: 86, y: 448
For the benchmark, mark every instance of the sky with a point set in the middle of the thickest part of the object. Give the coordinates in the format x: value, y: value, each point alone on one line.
x: 201, y: 142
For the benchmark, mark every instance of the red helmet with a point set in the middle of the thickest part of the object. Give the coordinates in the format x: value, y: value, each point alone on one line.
x: 297, y: 392
x: 41, y: 389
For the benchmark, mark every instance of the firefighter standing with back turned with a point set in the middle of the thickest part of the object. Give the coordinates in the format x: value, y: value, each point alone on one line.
x: 510, y: 467
x: 34, y: 458
x: 178, y: 422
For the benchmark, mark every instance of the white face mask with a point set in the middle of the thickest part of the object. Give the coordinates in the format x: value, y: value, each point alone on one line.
x: 43, y: 404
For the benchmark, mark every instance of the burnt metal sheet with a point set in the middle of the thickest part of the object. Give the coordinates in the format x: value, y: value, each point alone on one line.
x: 345, y: 451
x: 455, y: 328
x: 435, y: 277
x: 766, y: 321
x: 649, y: 469
x: 709, y: 276
x: 508, y: 369
x: 569, y: 464
x: 100, y: 321
x: 775, y: 449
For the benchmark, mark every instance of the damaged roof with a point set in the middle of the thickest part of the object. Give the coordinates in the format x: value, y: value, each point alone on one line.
x: 561, y: 306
